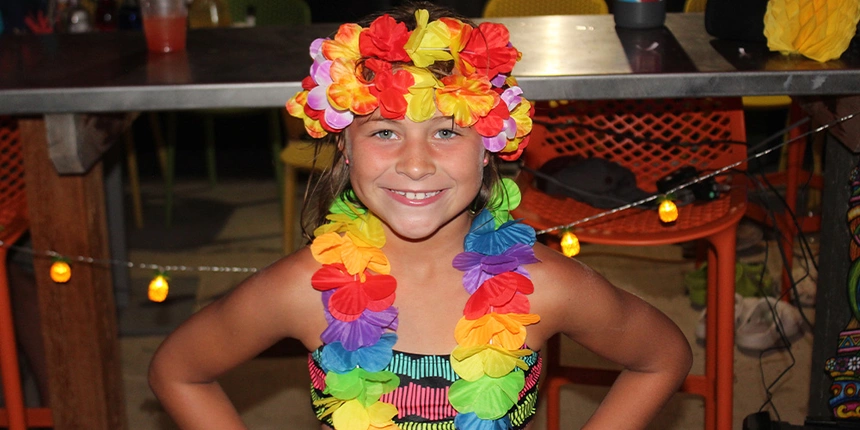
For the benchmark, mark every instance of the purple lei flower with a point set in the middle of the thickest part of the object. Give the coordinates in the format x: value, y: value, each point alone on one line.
x: 512, y: 98
x: 365, y: 331
x: 498, y: 81
x: 479, y: 267
x: 318, y: 96
x: 484, y: 238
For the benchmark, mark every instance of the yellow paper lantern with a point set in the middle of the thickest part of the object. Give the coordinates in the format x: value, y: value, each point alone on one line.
x: 569, y: 244
x: 158, y: 288
x: 61, y: 272
x: 818, y: 29
x: 667, y: 211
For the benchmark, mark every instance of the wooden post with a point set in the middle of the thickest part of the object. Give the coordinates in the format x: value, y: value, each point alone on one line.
x: 67, y: 215
x: 832, y: 311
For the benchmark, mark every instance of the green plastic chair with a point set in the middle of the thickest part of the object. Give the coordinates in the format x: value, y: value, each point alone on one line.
x: 272, y: 12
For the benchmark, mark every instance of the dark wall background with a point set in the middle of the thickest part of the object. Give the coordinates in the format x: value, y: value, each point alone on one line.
x: 350, y: 10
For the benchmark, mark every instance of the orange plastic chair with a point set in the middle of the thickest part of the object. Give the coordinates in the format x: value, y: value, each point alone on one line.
x: 13, y: 218
x: 625, y: 132
x: 501, y: 8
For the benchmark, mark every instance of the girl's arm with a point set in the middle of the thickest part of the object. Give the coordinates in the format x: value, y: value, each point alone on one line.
x: 264, y: 309
x: 621, y: 328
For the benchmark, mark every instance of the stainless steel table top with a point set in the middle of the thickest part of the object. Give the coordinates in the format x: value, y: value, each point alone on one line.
x: 564, y: 57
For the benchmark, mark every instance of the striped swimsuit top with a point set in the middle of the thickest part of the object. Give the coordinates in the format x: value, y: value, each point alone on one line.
x: 422, y: 396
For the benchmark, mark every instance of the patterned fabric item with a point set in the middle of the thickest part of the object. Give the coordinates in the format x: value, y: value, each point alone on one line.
x: 422, y: 396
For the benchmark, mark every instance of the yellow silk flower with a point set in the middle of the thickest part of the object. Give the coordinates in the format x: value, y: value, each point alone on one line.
x: 459, y: 33
x: 296, y: 108
x: 818, y: 29
x: 419, y: 99
x: 347, y: 91
x: 428, y: 43
x: 466, y: 98
x: 333, y: 248
x: 345, y: 43
x: 520, y: 114
x: 504, y: 330
x: 352, y: 415
x: 365, y: 229
x: 473, y: 362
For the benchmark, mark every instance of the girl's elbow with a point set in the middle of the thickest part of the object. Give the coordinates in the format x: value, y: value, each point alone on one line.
x: 157, y: 374
x: 686, y: 358
x: 680, y: 359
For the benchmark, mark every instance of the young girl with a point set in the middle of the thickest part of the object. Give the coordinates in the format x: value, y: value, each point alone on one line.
x: 424, y: 303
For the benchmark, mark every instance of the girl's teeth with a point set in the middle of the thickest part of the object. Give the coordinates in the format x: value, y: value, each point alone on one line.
x: 417, y: 196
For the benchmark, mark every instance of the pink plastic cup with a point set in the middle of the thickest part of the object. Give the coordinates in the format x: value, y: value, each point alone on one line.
x: 164, y: 23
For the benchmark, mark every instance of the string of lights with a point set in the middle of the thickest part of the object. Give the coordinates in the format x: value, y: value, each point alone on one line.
x: 61, y: 268
x: 667, y: 210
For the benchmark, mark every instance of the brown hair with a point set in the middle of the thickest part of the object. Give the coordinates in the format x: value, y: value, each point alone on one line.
x: 324, y: 188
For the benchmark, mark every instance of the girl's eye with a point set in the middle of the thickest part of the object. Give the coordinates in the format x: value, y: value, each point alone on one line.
x: 384, y: 134
x: 447, y: 134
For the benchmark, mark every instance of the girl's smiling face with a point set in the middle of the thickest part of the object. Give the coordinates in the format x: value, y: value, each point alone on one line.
x: 417, y: 177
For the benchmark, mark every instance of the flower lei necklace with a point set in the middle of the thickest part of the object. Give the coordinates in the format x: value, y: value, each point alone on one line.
x: 358, y: 297
x: 387, y: 67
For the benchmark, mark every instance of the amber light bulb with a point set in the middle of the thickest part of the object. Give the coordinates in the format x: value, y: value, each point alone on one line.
x: 61, y: 272
x: 569, y: 244
x: 668, y: 211
x: 158, y: 288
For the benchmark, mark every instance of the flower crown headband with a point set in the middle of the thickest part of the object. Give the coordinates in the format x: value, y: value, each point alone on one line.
x: 387, y: 67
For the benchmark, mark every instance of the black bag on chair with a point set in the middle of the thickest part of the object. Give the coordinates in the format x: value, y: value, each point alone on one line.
x: 736, y: 19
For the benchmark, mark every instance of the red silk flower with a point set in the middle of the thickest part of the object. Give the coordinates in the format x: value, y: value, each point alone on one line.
x: 499, y: 294
x: 390, y: 88
x: 351, y: 296
x: 492, y: 124
x: 384, y: 39
x: 488, y: 50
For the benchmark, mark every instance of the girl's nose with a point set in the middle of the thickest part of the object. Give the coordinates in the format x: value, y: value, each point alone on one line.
x: 416, y: 160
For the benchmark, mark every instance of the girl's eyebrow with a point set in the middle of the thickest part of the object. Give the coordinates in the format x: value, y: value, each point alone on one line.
x: 380, y: 119
x: 397, y: 121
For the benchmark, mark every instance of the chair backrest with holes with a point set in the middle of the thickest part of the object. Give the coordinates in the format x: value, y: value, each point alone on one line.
x: 501, y: 8
x: 13, y: 201
x: 651, y: 138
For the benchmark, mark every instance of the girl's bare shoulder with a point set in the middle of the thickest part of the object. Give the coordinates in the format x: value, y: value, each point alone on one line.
x: 292, y: 271
x: 564, y: 288
x: 557, y: 273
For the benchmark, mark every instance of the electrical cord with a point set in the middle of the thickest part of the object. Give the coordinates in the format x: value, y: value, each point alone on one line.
x: 785, y: 342
x: 779, y: 240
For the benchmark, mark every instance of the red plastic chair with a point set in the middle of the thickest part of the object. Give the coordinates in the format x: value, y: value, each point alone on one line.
x: 13, y: 218
x: 575, y: 129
